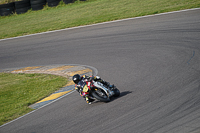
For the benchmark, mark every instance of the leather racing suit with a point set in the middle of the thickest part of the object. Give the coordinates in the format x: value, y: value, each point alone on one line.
x: 84, y: 91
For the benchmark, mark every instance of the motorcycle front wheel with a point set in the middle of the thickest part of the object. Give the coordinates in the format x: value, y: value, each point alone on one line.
x: 100, y: 95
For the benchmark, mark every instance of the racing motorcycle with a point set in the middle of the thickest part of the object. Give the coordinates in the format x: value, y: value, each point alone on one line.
x: 99, y: 91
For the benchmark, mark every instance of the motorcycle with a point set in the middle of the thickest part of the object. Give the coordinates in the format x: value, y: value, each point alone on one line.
x: 99, y: 91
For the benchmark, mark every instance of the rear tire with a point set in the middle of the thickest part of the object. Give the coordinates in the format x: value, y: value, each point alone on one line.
x: 7, y: 9
x: 39, y: 6
x: 23, y: 10
x: 22, y: 4
x: 36, y: 2
x: 53, y: 3
x: 67, y: 1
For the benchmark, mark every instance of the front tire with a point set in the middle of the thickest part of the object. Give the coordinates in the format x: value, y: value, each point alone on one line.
x: 104, y: 98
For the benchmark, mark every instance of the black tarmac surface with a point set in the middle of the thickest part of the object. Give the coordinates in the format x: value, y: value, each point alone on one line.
x: 154, y: 62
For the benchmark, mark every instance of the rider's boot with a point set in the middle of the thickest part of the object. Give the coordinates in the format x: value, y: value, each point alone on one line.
x: 87, y: 100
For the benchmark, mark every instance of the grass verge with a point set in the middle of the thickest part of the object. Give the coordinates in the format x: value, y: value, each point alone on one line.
x: 6, y: 1
x: 84, y: 13
x: 18, y: 91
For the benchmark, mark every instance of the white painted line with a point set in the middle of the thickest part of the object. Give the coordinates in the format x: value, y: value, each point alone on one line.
x: 83, y: 65
x: 100, y: 24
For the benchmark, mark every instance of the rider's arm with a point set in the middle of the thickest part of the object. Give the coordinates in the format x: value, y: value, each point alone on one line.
x: 97, y: 78
x: 77, y: 88
x: 85, y: 77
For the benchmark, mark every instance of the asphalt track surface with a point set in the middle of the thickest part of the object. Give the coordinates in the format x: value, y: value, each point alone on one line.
x: 154, y: 61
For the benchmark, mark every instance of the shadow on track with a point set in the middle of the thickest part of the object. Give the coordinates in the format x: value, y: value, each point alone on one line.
x: 124, y: 93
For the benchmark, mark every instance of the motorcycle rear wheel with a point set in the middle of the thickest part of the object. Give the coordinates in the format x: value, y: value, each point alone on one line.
x: 99, y: 97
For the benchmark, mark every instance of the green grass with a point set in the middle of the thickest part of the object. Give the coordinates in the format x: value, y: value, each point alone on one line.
x: 6, y: 1
x: 18, y: 91
x: 84, y: 13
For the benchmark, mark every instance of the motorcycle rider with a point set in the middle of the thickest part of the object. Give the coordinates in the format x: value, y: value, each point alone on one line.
x: 80, y: 85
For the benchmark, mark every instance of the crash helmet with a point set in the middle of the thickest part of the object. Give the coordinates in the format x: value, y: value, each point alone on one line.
x: 76, y: 78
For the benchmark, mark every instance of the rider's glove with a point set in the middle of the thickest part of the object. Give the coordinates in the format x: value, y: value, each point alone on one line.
x: 97, y: 77
x: 81, y: 93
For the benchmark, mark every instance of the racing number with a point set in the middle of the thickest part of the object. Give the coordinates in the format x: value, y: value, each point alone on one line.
x: 85, y: 88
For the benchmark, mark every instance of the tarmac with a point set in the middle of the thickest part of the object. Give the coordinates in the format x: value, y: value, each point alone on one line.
x: 67, y: 70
